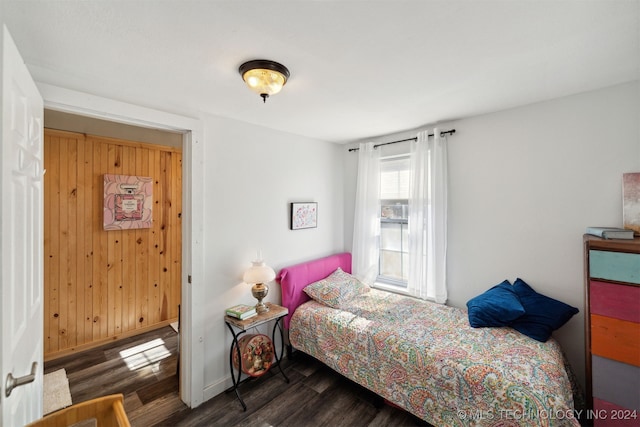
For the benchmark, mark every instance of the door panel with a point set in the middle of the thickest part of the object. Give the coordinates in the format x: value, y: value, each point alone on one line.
x: 21, y: 253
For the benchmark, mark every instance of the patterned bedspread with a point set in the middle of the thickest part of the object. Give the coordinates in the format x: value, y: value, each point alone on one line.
x: 426, y: 358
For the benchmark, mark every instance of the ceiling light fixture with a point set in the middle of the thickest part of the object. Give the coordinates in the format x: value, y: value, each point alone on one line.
x: 264, y: 77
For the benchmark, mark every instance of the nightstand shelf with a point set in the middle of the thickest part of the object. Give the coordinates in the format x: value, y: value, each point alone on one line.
x: 239, y: 327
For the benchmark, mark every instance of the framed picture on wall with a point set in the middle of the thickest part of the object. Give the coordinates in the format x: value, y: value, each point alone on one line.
x: 127, y: 202
x: 304, y: 215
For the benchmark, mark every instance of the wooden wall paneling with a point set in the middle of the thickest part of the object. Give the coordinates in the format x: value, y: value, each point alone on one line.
x: 51, y: 241
x: 66, y: 242
x: 67, y: 250
x: 176, y: 228
x: 115, y: 256
x: 63, y: 250
x: 129, y: 254
x: 79, y: 194
x: 100, y: 266
x: 173, y: 226
x: 165, y: 274
x: 155, y: 255
x: 101, y: 285
x: 167, y: 251
x: 108, y: 269
x: 143, y: 243
x: 143, y: 289
x: 86, y: 189
x: 69, y: 243
x: 59, y: 302
x: 96, y: 205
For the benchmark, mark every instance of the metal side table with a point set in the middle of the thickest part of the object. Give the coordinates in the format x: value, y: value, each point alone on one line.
x: 239, y: 327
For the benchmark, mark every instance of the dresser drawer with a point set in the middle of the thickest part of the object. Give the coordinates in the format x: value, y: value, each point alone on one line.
x: 618, y: 266
x: 616, y: 382
x: 607, y: 414
x: 615, y: 339
x: 615, y: 300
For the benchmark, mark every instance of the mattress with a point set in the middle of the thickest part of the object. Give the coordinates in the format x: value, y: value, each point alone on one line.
x: 425, y: 358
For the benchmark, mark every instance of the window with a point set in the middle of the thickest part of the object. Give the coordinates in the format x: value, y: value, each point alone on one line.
x: 394, y: 214
x: 400, y: 222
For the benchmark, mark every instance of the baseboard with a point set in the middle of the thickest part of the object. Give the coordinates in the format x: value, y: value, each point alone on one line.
x: 220, y: 386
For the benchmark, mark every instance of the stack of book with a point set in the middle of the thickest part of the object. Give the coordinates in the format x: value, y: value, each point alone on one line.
x: 611, y: 232
x: 241, y: 311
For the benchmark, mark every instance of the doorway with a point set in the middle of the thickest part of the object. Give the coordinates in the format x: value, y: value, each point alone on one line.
x: 103, y: 285
x: 85, y: 105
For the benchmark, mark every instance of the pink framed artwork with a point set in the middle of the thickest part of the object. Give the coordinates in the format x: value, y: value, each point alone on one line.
x: 127, y: 202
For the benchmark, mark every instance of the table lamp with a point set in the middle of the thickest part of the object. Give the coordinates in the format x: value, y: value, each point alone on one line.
x: 259, y: 274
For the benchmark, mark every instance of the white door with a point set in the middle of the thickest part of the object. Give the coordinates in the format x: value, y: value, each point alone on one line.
x: 21, y: 251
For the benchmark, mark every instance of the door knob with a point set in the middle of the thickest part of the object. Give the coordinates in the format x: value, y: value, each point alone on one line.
x: 12, y: 382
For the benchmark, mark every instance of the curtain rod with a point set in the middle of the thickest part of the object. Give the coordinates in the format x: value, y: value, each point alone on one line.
x: 444, y: 132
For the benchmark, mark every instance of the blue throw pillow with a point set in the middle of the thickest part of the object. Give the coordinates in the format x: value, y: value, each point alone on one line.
x: 498, y: 306
x: 543, y: 314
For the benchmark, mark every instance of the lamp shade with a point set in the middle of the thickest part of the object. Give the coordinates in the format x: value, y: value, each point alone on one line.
x: 259, y: 272
x: 264, y: 77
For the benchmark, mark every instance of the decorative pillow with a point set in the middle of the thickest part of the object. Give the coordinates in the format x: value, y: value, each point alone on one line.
x: 543, y: 314
x: 336, y: 289
x: 496, y: 307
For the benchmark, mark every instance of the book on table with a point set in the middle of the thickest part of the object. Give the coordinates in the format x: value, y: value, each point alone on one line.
x: 241, y: 311
x: 611, y: 232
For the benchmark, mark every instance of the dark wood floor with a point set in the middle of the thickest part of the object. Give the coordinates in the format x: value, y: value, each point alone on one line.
x: 143, y: 368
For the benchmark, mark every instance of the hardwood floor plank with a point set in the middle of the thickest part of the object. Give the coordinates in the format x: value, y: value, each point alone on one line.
x: 166, y: 337
x: 332, y: 407
x: 257, y: 393
x: 157, y: 389
x: 156, y: 411
x: 74, y: 363
x: 281, y: 408
x: 322, y: 379
x: 132, y: 402
x: 219, y: 411
x: 109, y: 378
x: 305, y: 364
x: 390, y: 416
x: 315, y: 395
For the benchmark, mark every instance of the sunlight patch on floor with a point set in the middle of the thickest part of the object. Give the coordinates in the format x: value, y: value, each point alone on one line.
x: 147, y: 354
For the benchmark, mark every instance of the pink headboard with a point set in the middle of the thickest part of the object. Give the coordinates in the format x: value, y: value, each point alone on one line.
x: 294, y: 279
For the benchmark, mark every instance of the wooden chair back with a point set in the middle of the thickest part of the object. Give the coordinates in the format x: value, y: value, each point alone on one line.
x: 107, y: 411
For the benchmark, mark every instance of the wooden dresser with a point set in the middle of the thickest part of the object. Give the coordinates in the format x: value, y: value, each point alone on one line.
x: 612, y: 318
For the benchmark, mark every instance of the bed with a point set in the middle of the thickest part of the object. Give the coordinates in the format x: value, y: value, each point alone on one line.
x: 425, y: 357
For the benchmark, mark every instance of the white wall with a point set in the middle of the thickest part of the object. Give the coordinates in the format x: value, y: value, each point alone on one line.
x: 524, y: 185
x: 251, y: 175
x: 243, y: 177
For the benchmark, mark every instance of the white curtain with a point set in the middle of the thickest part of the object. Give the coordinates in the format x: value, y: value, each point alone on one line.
x: 366, y: 224
x: 428, y: 217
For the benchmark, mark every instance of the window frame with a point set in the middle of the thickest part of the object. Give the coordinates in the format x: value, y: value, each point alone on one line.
x: 388, y: 282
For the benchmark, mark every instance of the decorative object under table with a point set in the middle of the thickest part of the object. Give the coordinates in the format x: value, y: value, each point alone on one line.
x: 253, y: 354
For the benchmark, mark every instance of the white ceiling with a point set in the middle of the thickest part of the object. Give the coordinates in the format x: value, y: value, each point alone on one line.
x: 358, y: 68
